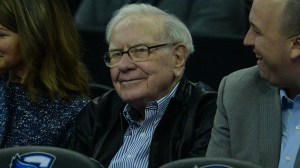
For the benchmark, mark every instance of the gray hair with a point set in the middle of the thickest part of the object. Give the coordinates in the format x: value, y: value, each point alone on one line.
x: 175, y: 30
x: 290, y: 18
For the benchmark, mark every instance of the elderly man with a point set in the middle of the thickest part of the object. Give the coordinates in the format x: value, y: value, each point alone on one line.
x: 259, y: 107
x: 154, y: 115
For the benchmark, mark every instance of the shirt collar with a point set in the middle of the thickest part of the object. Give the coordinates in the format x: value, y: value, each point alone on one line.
x: 160, y: 106
x: 286, y: 102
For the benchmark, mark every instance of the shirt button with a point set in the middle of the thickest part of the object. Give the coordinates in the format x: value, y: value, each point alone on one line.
x: 298, y: 127
x: 142, y: 135
x: 287, y: 158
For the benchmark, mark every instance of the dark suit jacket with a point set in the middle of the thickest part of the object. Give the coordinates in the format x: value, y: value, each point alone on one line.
x: 247, y: 124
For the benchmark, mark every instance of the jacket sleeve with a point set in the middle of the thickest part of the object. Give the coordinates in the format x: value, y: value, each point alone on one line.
x: 219, y: 145
x: 203, y: 124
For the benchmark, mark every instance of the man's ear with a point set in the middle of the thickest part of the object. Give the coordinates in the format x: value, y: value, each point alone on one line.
x: 295, y: 53
x: 180, y: 56
x: 180, y: 53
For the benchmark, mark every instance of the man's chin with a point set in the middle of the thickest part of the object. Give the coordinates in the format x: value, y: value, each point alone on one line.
x: 268, y: 79
x: 131, y: 96
x: 263, y: 76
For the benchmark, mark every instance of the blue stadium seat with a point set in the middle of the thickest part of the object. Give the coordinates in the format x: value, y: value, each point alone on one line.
x: 203, y: 162
x: 44, y: 157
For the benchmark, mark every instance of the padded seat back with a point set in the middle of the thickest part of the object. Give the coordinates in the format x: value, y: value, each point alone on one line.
x: 44, y: 157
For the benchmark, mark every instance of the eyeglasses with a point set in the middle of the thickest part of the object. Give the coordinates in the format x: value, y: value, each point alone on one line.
x: 136, y: 53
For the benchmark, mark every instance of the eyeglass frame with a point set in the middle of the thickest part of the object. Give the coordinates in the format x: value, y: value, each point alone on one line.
x: 106, y: 54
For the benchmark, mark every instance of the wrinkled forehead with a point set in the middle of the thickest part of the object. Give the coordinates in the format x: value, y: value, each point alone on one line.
x: 135, y: 30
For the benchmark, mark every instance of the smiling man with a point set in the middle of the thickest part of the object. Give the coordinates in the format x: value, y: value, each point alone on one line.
x: 257, y: 118
x: 154, y: 115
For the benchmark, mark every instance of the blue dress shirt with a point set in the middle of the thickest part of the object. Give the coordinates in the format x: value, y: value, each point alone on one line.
x: 290, y: 130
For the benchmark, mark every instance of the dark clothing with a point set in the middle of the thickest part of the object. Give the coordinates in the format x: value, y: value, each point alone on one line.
x: 47, y: 122
x: 183, y: 131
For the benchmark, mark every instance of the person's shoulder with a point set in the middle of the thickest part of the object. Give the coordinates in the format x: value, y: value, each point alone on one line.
x: 246, y: 75
x: 110, y: 99
x: 79, y: 100
x: 246, y: 71
x: 73, y: 105
x: 201, y: 91
x: 106, y: 106
x: 110, y: 95
x: 242, y: 81
x: 1, y: 82
x: 205, y: 88
x: 3, y: 78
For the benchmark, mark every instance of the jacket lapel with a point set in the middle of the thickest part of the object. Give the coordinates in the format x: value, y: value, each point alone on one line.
x: 270, y: 126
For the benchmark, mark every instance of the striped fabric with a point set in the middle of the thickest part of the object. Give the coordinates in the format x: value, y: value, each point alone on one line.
x: 135, y: 150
